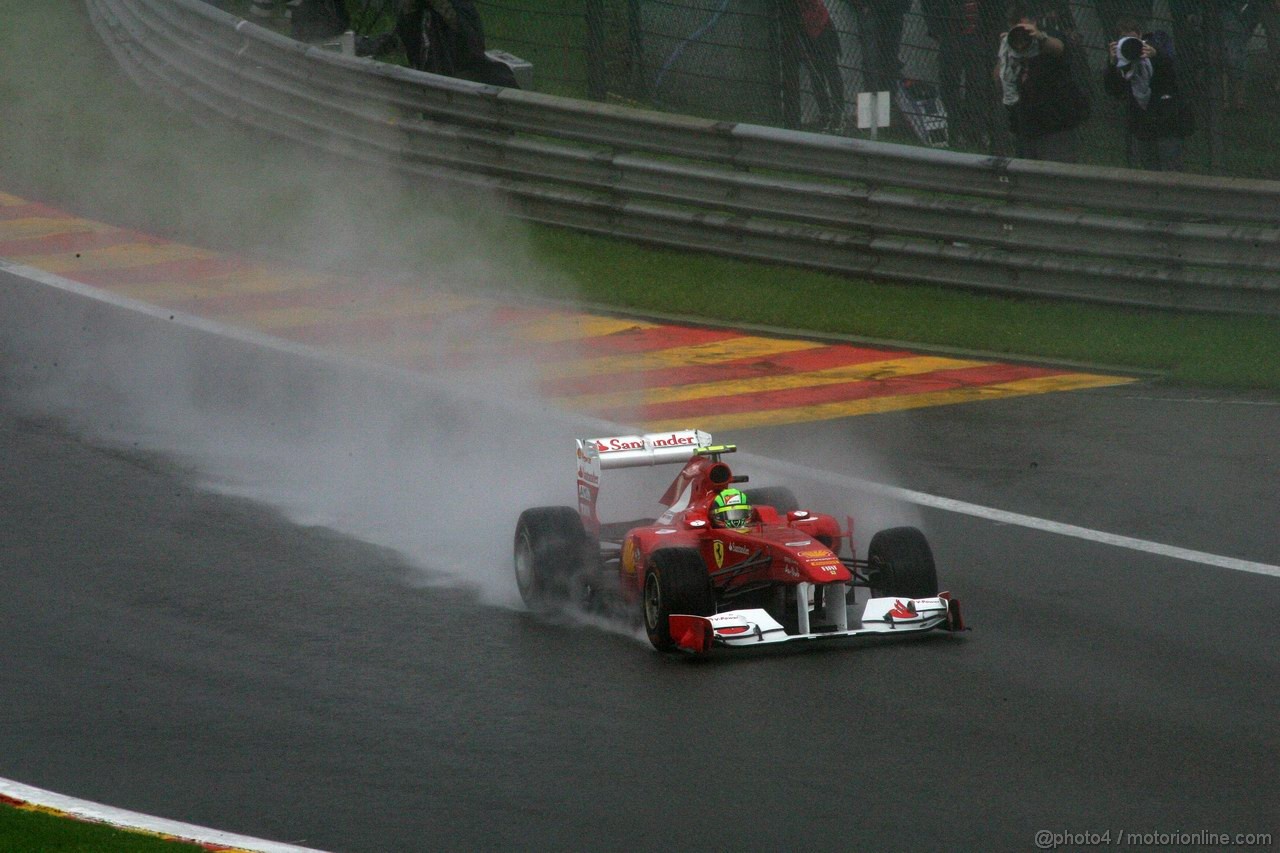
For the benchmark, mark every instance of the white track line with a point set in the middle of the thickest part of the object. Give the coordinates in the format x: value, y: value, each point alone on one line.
x: 1006, y: 517
x: 98, y: 813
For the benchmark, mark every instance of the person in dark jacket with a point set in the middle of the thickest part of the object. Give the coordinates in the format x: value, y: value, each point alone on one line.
x: 880, y: 25
x: 1145, y: 77
x: 965, y: 31
x: 1112, y: 12
x: 447, y: 37
x: 314, y: 20
x: 1045, y: 103
x: 812, y: 39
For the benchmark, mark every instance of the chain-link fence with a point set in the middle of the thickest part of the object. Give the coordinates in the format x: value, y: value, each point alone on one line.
x: 803, y: 63
x: 779, y: 62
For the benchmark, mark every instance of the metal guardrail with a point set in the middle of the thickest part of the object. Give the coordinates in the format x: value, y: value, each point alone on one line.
x: 843, y: 205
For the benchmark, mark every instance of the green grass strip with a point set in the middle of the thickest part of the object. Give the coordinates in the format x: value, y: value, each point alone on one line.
x: 26, y: 831
x: 1227, y: 351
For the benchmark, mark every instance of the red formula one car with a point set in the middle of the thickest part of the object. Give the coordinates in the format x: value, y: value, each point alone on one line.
x: 704, y: 575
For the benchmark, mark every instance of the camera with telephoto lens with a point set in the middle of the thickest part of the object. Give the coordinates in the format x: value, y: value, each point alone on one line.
x: 1129, y: 49
x: 1020, y: 38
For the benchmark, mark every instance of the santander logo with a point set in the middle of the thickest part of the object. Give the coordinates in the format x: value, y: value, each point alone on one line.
x: 636, y: 442
x: 610, y: 445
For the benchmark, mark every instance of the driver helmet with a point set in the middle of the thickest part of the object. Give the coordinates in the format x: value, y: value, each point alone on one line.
x: 730, y: 509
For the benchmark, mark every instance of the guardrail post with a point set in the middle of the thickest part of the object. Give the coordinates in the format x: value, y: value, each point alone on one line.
x: 1215, y: 77
x: 597, y: 60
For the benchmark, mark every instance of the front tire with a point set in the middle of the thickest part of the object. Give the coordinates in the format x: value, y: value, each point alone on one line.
x: 901, y: 564
x: 675, y: 581
x: 550, y: 549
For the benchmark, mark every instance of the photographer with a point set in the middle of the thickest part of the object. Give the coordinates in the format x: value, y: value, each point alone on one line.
x: 1141, y: 70
x: 1045, y: 103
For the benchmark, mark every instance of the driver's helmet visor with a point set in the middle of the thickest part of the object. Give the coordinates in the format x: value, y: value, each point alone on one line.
x: 732, y: 516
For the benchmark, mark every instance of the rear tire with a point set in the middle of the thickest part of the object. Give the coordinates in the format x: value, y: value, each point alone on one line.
x: 550, y: 550
x: 675, y: 581
x: 901, y: 564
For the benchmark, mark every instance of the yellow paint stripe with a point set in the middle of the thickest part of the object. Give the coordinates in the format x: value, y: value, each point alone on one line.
x: 282, y: 318
x: 257, y: 281
x: 437, y: 302
x: 470, y: 309
x: 408, y: 302
x: 571, y: 327
x: 472, y: 334
x: 407, y: 307
x: 557, y: 328
x: 250, y: 282
x: 246, y: 281
x: 872, y: 370
x: 115, y: 257
x: 735, y: 349
x: 850, y: 408
x: 158, y: 293
x: 30, y: 227
x: 466, y: 327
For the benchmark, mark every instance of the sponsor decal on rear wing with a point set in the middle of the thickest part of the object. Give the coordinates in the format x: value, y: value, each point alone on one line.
x: 658, y: 448
x: 628, y: 451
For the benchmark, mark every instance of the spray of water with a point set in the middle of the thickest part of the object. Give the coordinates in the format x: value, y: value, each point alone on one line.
x: 435, y: 466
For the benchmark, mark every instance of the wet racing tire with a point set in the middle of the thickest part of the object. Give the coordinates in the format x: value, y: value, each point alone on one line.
x: 550, y: 550
x: 675, y: 581
x: 901, y: 564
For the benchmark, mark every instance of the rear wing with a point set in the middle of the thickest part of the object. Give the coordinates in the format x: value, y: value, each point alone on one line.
x: 628, y: 451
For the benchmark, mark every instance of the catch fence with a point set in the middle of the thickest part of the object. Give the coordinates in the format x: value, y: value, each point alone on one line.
x: 896, y: 212
x: 748, y: 61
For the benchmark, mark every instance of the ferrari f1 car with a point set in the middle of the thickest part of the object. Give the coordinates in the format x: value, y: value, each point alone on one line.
x: 781, y: 574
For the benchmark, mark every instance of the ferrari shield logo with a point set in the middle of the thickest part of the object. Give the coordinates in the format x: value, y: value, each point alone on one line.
x: 717, y: 550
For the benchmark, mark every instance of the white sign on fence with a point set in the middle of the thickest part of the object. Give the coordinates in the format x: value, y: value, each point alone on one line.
x: 872, y: 106
x: 873, y: 111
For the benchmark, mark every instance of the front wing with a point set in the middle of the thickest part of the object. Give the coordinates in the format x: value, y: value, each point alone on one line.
x: 881, y: 617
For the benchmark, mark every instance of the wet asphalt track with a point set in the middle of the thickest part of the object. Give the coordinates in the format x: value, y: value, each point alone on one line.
x: 201, y: 658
